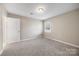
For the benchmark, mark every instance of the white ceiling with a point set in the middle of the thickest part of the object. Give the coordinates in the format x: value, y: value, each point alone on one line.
x: 29, y: 9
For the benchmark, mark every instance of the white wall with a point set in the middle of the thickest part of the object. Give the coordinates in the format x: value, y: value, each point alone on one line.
x: 2, y: 18
x: 65, y: 27
x: 1, y: 40
x: 30, y: 28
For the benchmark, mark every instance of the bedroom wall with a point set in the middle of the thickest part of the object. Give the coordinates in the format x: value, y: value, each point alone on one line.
x: 65, y: 27
x: 2, y: 18
x: 1, y: 40
x: 30, y: 28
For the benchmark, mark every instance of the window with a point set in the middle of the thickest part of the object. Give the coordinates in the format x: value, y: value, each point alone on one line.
x: 47, y: 26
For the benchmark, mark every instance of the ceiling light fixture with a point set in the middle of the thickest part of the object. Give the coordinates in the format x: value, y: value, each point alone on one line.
x: 40, y: 10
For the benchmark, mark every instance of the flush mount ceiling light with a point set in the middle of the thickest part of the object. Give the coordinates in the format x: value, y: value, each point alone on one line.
x: 40, y: 9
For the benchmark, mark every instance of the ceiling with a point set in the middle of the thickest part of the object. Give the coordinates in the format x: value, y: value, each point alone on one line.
x: 30, y: 9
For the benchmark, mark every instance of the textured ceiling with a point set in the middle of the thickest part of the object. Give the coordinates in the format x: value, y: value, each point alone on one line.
x: 29, y: 9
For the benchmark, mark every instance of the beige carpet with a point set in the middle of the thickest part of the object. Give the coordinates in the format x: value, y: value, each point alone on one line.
x: 39, y: 47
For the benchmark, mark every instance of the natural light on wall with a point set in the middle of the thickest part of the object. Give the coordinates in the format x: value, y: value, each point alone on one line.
x: 47, y: 26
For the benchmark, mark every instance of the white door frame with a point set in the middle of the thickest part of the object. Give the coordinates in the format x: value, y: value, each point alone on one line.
x: 5, y: 32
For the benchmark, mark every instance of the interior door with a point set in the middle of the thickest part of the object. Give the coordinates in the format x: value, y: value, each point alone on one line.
x: 12, y: 30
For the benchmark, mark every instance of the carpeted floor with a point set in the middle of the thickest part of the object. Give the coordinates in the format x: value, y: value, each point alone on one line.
x: 39, y: 47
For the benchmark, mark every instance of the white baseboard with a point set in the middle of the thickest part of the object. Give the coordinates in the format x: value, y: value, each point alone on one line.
x: 70, y: 44
x: 23, y: 40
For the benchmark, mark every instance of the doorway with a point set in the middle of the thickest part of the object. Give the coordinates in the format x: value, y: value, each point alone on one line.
x: 12, y: 29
